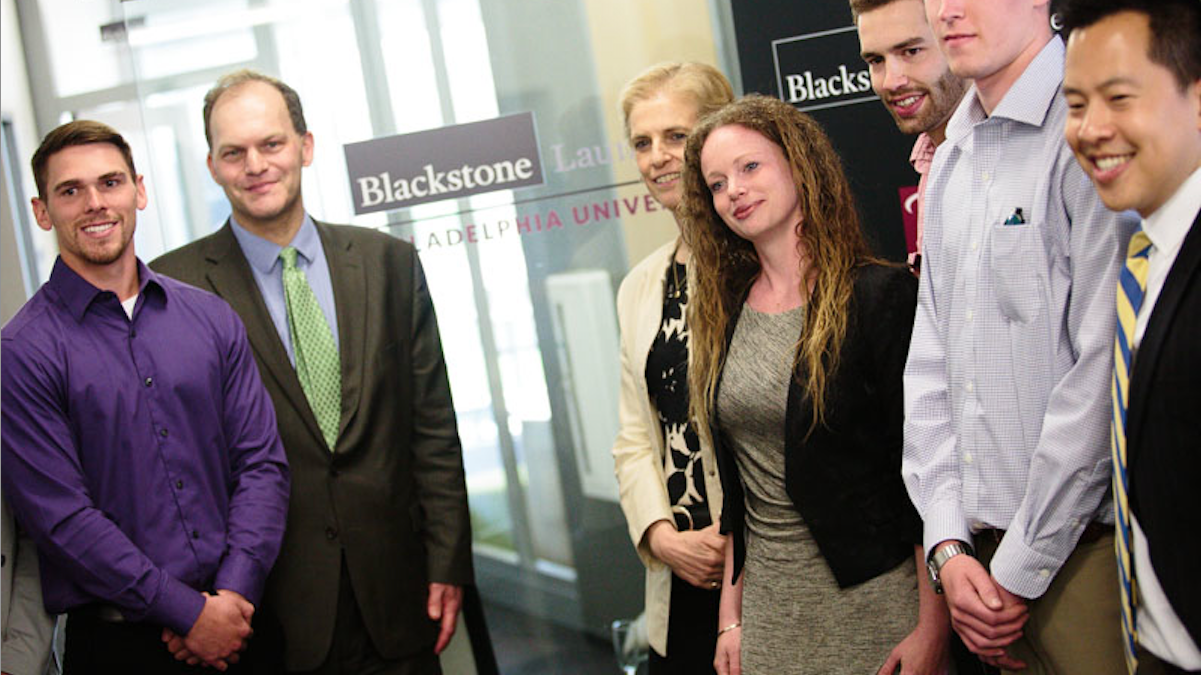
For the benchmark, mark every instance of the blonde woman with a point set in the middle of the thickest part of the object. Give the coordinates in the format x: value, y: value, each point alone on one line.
x: 670, y: 491
x: 799, y: 342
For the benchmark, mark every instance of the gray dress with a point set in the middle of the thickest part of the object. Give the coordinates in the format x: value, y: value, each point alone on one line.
x: 795, y: 618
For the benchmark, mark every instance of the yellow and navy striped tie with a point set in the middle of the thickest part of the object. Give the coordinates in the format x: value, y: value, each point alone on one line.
x: 1132, y: 283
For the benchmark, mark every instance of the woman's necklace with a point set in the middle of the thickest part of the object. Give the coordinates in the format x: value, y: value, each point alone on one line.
x: 677, y: 290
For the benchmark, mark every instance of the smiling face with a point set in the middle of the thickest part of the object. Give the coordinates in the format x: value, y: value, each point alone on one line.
x: 908, y: 71
x: 659, y: 129
x: 752, y: 186
x: 257, y: 157
x: 91, y: 203
x: 1135, y: 131
x: 989, y: 41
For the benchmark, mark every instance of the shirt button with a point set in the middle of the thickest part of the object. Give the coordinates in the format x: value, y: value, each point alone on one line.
x: 148, y: 381
x: 975, y: 244
x: 970, y: 314
x: 179, y: 485
x: 985, y: 176
x: 331, y: 533
x: 162, y: 432
x: 133, y: 333
x: 969, y: 386
x: 967, y: 458
x: 195, y: 534
x: 1044, y: 573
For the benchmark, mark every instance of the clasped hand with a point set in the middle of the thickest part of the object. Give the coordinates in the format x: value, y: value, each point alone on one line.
x: 696, y: 556
x: 987, y: 616
x: 219, y: 634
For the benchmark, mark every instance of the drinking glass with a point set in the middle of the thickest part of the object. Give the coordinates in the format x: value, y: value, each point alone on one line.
x: 629, y: 653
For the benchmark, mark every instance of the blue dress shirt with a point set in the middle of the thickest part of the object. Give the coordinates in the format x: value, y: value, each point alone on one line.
x: 268, y: 271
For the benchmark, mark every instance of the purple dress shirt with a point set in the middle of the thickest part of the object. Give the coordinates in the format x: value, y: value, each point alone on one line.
x: 140, y: 454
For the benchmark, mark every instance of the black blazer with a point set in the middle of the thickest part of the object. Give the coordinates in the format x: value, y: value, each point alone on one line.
x: 391, y: 497
x: 845, y: 478
x: 1163, y: 432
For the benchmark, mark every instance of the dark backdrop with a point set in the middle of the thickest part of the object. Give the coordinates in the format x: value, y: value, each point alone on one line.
x: 778, y: 43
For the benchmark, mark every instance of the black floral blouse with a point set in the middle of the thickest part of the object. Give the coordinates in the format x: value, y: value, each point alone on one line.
x: 667, y: 383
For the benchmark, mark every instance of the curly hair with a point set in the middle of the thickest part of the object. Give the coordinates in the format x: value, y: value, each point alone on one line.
x: 829, y: 240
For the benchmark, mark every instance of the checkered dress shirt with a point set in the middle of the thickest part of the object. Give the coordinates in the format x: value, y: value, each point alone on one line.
x: 1007, y: 383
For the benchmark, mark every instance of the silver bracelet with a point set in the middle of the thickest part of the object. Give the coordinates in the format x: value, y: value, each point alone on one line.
x: 727, y: 629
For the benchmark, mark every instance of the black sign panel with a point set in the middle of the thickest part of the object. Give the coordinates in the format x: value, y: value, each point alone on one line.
x: 807, y: 53
x: 797, y: 56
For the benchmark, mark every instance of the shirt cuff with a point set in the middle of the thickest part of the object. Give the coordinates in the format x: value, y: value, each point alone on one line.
x: 242, y: 574
x: 1022, y: 570
x: 944, y: 520
x: 177, y: 606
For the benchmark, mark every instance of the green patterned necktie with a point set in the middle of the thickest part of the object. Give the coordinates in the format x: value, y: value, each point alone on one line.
x: 317, y: 363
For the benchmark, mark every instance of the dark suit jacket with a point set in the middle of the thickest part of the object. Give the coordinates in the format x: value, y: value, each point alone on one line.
x: 845, y: 477
x: 392, y: 496
x: 1163, y: 432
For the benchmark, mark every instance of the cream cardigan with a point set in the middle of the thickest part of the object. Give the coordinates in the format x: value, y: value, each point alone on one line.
x: 638, y: 450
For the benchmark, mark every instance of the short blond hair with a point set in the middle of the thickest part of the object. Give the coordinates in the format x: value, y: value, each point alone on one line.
x: 704, y: 83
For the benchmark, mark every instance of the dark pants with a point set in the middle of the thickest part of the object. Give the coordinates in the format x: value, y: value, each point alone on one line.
x: 95, y: 645
x: 352, y: 652
x: 691, y: 631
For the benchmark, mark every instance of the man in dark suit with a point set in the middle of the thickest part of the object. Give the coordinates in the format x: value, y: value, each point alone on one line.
x: 1133, y: 85
x: 378, y: 542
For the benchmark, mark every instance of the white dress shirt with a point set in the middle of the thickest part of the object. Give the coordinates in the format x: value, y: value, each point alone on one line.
x: 1159, y: 629
x: 1007, y: 384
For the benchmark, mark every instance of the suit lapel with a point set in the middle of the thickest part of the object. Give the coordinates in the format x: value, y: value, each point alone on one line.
x: 229, y: 274
x: 1185, y: 271
x: 349, y: 278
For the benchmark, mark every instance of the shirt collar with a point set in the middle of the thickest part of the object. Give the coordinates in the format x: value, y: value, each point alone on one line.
x: 78, y: 293
x: 923, y: 153
x: 263, y: 254
x: 1028, y: 100
x: 1170, y: 223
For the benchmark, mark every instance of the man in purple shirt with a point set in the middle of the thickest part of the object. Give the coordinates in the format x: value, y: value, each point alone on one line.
x: 140, y: 449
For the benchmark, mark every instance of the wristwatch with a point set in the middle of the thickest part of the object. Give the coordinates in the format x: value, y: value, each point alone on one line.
x: 935, y: 563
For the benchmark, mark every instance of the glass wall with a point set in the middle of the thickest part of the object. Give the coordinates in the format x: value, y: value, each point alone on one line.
x: 523, y: 281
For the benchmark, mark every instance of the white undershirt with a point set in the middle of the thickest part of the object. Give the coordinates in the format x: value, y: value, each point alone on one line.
x: 128, y: 305
x: 1159, y: 629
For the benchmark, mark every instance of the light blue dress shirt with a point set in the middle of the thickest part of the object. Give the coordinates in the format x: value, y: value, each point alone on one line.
x: 268, y: 270
x: 1007, y: 403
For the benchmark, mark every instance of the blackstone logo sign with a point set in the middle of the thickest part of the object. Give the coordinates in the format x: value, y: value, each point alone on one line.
x: 822, y: 70
x: 446, y: 163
